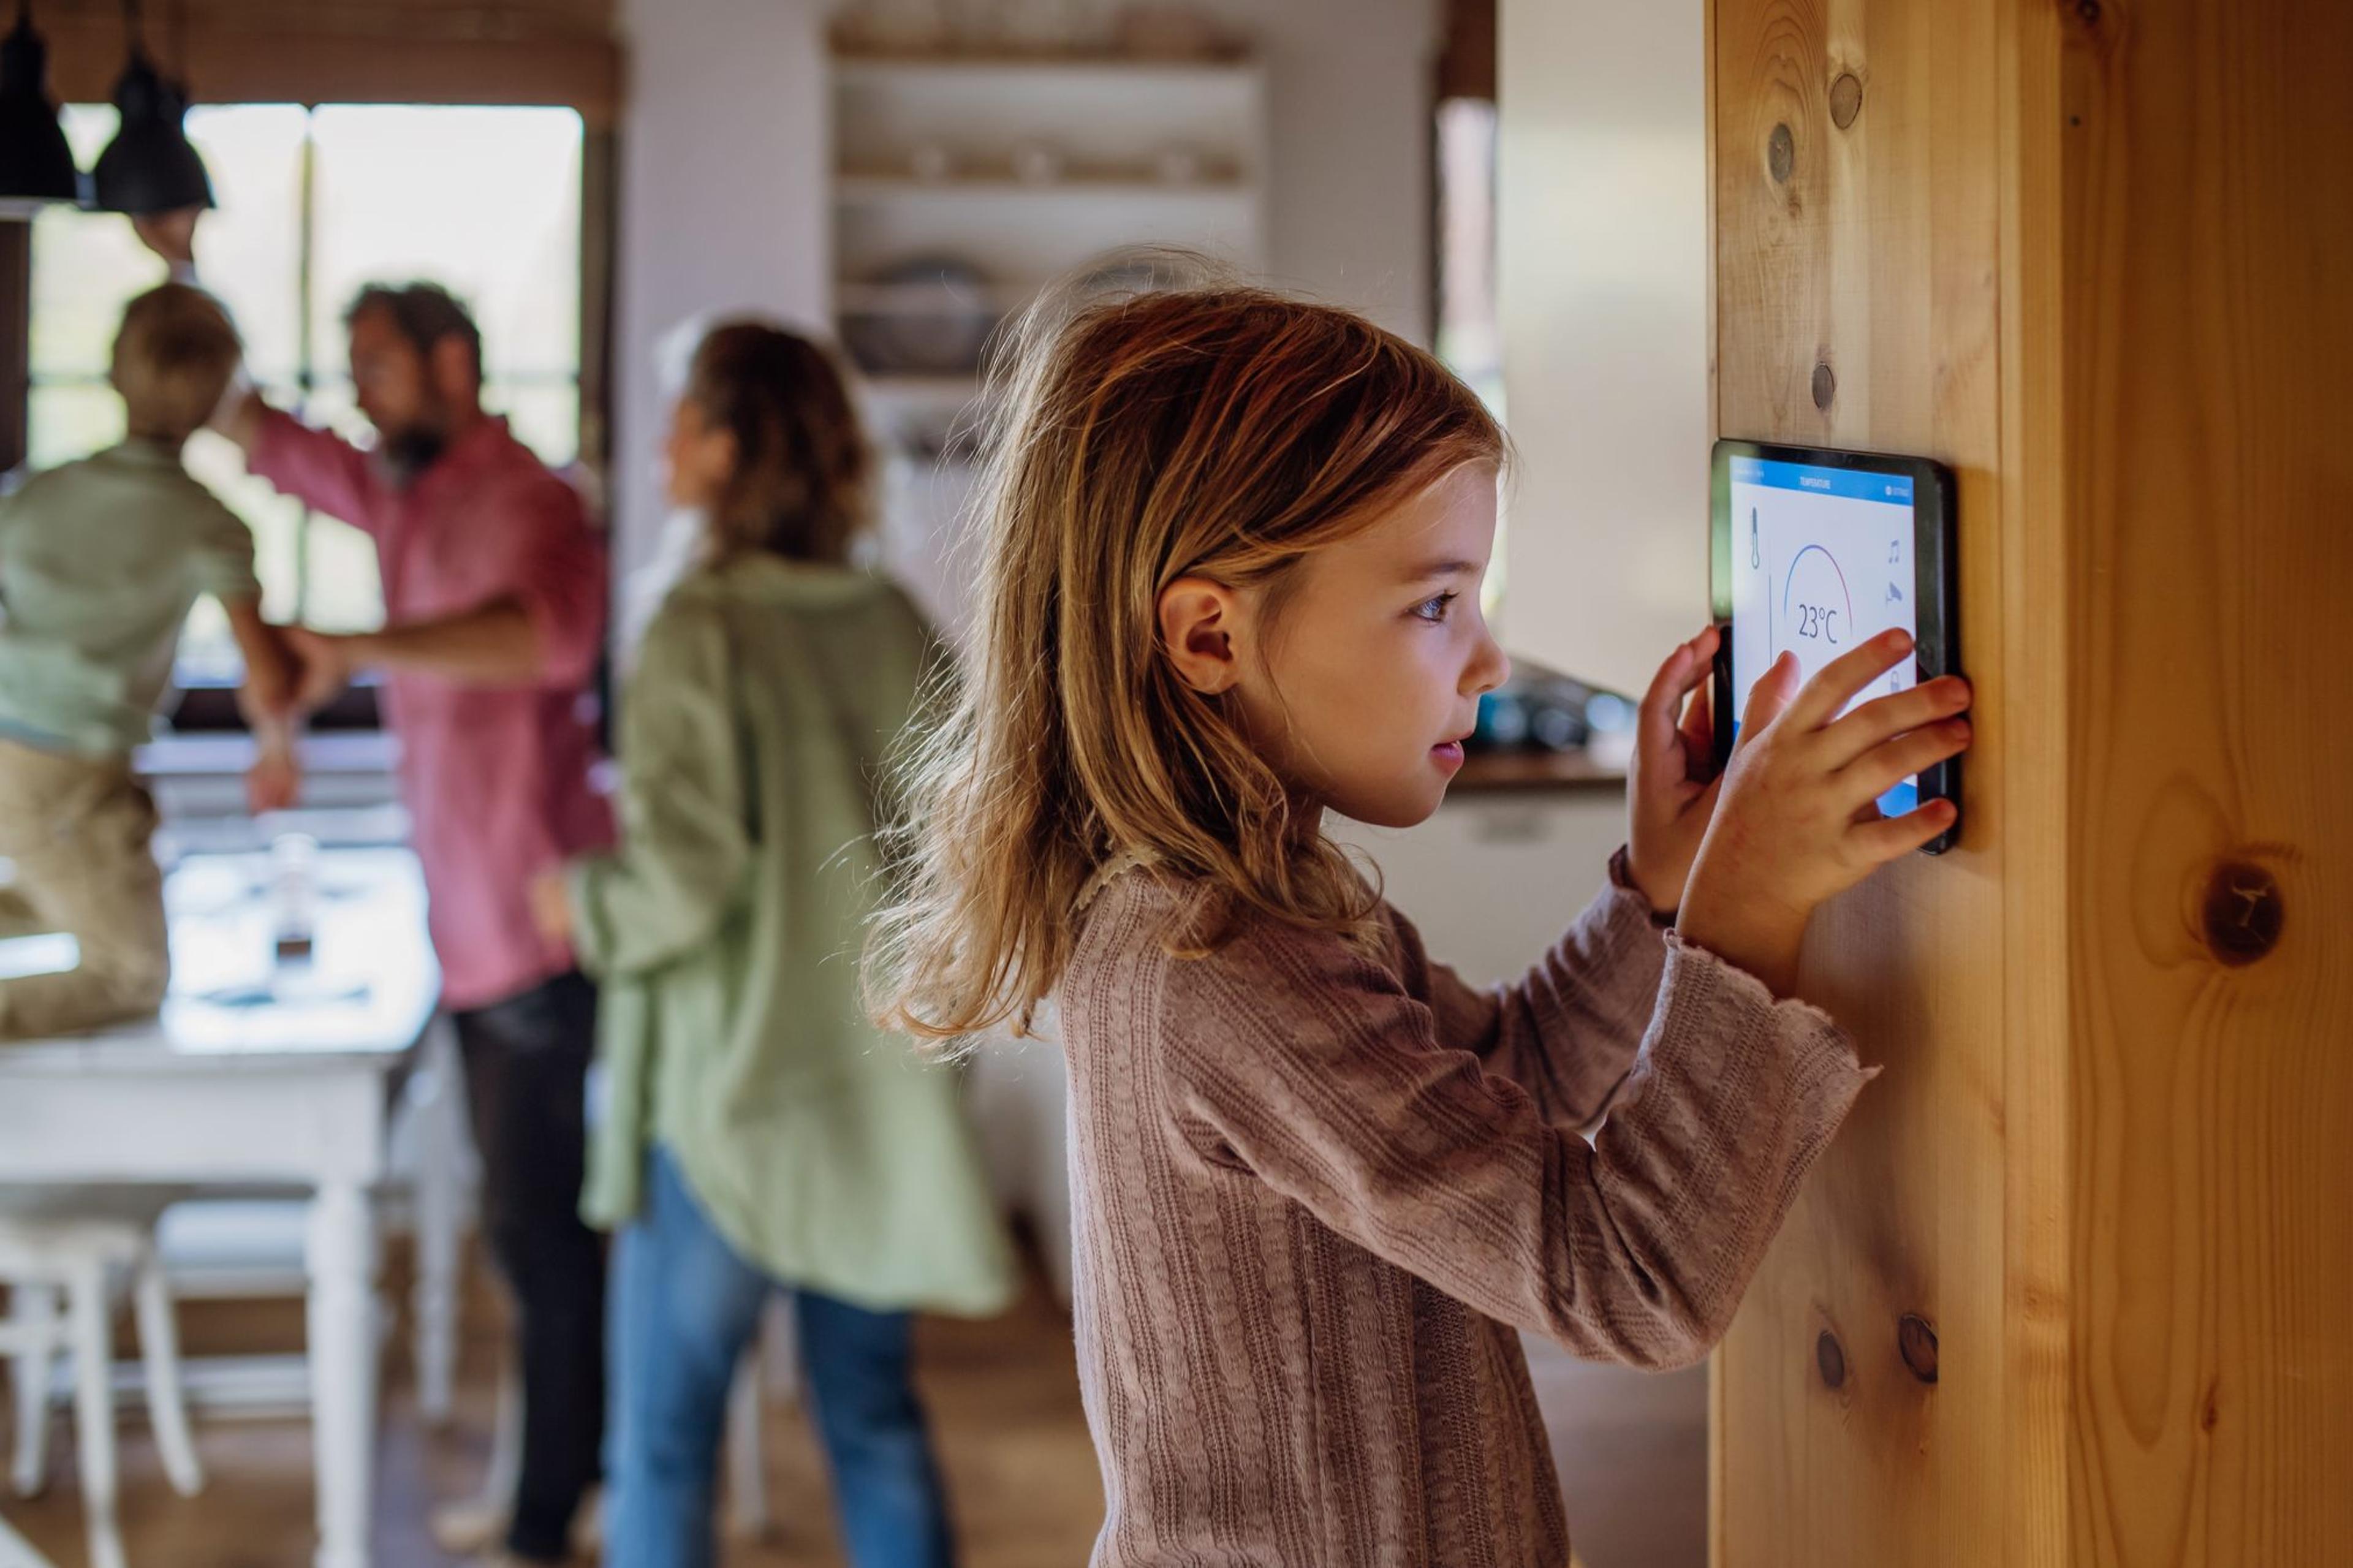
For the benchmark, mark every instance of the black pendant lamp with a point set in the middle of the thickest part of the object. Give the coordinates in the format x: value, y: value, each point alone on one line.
x: 149, y: 167
x: 36, y: 167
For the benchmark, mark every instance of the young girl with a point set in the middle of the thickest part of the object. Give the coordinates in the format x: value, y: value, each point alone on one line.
x: 1233, y: 547
x: 759, y: 1134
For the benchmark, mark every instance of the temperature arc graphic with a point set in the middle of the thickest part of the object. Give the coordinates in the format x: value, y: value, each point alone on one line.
x: 1820, y: 616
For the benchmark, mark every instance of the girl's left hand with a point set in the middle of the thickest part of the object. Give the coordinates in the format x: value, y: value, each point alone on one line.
x: 551, y: 907
x: 1672, y: 787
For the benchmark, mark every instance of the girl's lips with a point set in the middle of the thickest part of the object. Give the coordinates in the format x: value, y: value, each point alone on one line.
x: 1448, y: 753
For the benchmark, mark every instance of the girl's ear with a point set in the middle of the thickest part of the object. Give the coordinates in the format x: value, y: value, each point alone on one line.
x: 1198, y: 622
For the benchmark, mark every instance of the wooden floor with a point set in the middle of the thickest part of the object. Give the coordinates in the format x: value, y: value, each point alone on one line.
x: 1004, y: 1398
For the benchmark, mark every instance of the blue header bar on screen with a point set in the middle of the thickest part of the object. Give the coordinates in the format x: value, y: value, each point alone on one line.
x: 1854, y: 484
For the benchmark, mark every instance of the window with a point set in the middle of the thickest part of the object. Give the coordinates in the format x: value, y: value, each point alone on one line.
x: 1470, y: 334
x: 314, y: 201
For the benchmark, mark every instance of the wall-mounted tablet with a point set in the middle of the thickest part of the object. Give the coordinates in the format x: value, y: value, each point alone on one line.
x: 1814, y: 550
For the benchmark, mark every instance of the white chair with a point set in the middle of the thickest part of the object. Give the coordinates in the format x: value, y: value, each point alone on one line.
x: 80, y: 1243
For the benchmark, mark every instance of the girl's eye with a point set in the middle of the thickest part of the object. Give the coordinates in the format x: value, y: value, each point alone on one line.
x: 1434, y: 609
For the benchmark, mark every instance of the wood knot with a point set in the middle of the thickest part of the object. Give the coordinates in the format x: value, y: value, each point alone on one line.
x: 2241, y: 912
x: 1846, y: 99
x: 1781, y: 153
x: 1917, y: 1341
x: 1829, y: 1359
x: 2089, y: 11
x: 1825, y: 385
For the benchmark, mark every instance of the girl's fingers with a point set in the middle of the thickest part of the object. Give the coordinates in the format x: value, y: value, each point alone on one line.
x: 1881, y: 769
x: 1892, y: 837
x: 1768, y: 697
x: 1656, y: 725
x: 1885, y: 717
x: 1698, y: 726
x: 1842, y: 679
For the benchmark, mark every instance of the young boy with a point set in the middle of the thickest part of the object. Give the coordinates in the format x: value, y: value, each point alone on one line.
x: 100, y: 563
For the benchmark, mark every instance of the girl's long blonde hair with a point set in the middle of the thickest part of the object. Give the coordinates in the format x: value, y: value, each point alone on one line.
x: 1218, y: 431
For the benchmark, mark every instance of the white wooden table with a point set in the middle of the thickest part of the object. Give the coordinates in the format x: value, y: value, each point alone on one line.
x: 267, y: 1074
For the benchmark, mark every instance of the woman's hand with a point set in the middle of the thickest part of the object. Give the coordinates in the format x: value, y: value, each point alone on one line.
x: 1798, y: 822
x: 551, y: 907
x: 1671, y: 793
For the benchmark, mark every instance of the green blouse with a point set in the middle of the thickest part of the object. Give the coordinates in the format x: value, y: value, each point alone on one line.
x: 725, y: 933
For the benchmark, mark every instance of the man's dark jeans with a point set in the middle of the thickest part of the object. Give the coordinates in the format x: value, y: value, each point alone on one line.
x: 526, y: 1086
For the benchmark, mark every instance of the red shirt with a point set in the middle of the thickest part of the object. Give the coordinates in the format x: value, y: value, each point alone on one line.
x: 496, y: 779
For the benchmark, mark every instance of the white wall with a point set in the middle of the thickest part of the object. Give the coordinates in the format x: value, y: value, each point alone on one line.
x: 1349, y: 83
x: 1604, y: 292
x: 722, y: 201
x: 723, y: 192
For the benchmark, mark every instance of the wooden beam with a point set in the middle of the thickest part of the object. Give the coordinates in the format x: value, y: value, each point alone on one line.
x: 226, y: 62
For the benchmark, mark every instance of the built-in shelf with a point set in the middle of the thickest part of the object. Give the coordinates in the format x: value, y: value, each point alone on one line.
x: 1109, y: 127
x: 853, y: 68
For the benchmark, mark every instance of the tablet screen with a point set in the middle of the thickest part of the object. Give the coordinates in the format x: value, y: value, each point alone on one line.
x: 1821, y: 561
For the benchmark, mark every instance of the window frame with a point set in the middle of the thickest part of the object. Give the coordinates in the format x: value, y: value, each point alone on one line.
x: 204, y: 705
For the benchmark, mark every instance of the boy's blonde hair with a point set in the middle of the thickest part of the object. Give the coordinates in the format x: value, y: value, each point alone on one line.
x: 173, y: 356
x: 1220, y: 431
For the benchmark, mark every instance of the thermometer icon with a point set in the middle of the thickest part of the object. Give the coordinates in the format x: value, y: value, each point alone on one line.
x: 1754, y: 558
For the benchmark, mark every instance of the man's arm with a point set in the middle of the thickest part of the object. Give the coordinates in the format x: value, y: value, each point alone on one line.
x: 317, y: 468
x: 497, y: 644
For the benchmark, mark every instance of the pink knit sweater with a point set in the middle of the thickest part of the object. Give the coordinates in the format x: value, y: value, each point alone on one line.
x: 1316, y: 1194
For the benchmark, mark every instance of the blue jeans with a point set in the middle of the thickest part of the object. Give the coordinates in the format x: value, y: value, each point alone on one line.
x: 683, y: 1308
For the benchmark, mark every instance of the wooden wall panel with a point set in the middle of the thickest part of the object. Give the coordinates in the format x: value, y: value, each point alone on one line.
x: 2092, y: 254
x: 1861, y: 183
x: 2209, y: 329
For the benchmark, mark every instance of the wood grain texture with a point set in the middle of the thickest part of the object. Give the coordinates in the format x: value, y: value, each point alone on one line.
x: 2208, y: 329
x: 1880, y: 257
x: 2092, y: 255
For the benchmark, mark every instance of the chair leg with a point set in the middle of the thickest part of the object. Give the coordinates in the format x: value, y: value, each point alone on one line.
x: 167, y: 1407
x: 86, y: 1309
x: 30, y: 1371
x: 439, y: 1120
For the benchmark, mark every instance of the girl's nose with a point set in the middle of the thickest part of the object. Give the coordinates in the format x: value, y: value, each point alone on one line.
x: 1490, y: 665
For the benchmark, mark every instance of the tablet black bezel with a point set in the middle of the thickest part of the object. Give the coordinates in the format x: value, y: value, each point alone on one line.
x: 1937, y: 650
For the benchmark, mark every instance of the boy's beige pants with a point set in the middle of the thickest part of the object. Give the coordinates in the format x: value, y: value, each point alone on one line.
x: 78, y: 830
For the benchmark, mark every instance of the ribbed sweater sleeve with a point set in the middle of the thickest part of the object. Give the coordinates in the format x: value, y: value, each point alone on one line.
x: 1321, y: 1072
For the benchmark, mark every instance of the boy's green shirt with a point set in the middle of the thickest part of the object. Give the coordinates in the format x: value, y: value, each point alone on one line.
x: 100, y: 563
x: 725, y: 933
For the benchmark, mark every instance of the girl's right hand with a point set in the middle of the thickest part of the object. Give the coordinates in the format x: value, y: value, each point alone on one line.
x: 1798, y: 823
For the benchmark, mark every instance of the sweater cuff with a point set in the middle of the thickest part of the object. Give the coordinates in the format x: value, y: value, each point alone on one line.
x: 1826, y: 1045
x: 1622, y: 877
